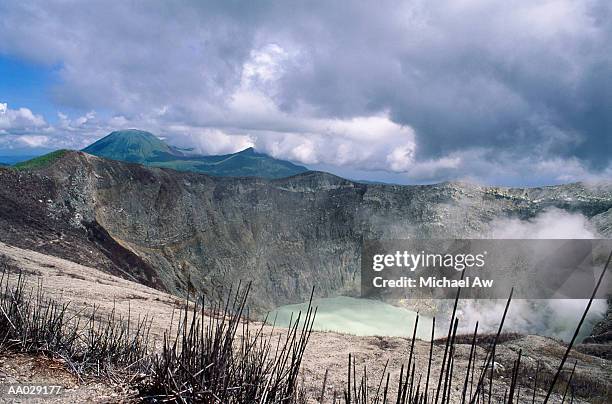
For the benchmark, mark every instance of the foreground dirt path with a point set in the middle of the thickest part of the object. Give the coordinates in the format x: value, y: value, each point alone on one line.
x: 85, y: 287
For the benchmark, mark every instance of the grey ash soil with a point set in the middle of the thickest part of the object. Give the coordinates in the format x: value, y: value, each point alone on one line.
x: 40, y: 370
x: 175, y: 232
x: 85, y: 286
x: 29, y: 218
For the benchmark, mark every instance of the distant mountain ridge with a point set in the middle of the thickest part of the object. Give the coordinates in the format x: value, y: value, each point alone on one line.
x: 137, y: 146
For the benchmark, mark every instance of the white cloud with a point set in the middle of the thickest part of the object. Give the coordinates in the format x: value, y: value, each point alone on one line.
x: 464, y: 90
x: 373, y: 143
x: 401, y: 158
x: 357, y: 142
x: 265, y: 65
x: 209, y: 140
x: 23, y: 129
x: 18, y: 121
x: 33, y: 141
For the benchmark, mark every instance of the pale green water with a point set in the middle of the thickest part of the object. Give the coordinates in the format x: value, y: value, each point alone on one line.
x: 358, y: 317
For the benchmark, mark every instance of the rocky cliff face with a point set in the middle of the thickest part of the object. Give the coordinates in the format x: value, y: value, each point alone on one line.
x: 180, y: 231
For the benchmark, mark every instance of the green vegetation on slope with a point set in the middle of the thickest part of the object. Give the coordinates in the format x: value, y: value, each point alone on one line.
x: 246, y: 163
x: 142, y: 147
x: 40, y: 162
x: 134, y: 146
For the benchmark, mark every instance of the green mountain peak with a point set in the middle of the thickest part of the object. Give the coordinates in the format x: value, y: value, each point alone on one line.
x: 137, y: 146
x: 132, y: 145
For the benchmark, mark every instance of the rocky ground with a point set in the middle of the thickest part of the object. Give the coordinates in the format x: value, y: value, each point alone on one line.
x: 85, y: 286
x: 33, y: 370
x: 179, y: 231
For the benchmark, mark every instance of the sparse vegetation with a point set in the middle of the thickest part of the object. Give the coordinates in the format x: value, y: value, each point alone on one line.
x: 214, y: 362
x: 417, y: 387
x: 212, y: 356
x: 40, y: 162
x: 215, y: 356
x: 89, y: 344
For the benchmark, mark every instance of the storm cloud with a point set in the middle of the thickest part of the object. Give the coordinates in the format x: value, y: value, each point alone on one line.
x: 489, y: 91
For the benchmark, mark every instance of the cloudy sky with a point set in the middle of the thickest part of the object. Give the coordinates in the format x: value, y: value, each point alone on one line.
x: 506, y: 92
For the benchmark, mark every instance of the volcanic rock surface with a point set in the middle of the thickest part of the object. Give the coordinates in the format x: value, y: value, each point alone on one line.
x: 180, y: 231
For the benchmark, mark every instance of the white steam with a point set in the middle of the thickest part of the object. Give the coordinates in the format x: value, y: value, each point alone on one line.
x: 556, y: 318
x: 550, y: 224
